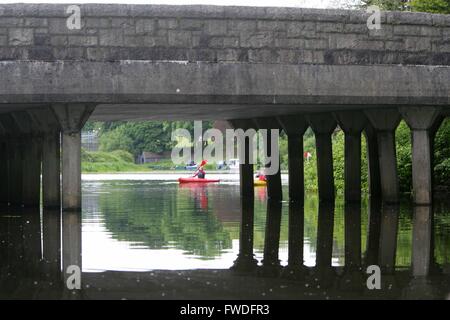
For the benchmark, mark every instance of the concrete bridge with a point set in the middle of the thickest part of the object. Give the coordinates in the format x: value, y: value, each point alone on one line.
x: 278, y: 68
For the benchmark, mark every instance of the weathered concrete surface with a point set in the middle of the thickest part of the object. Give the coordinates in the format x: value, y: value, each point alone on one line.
x: 51, y: 168
x: 352, y: 123
x: 216, y: 34
x: 295, y: 127
x: 421, y: 120
x: 169, y: 90
x: 385, y: 122
x: 245, y: 156
x: 71, y: 118
x: 323, y: 126
x: 213, y: 62
x: 274, y: 189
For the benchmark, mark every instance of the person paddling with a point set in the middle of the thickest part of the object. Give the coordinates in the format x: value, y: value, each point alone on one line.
x: 200, y: 172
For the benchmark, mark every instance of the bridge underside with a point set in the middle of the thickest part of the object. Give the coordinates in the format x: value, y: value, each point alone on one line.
x: 138, y: 90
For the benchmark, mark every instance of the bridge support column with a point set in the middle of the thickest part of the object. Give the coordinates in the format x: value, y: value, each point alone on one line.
x: 372, y: 162
x: 274, y: 189
x: 295, y: 127
x: 32, y: 150
x: 15, y: 172
x: 352, y: 123
x: 71, y: 118
x: 323, y: 126
x: 421, y: 120
x: 245, y: 154
x: 4, y: 174
x: 245, y: 261
x: 51, y: 185
x: 385, y: 122
x: 13, y: 136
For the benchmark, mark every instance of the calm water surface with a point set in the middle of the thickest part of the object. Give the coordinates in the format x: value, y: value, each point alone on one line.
x: 148, y: 222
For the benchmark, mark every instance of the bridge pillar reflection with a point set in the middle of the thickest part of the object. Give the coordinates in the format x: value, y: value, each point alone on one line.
x: 323, y: 270
x: 295, y: 268
x: 295, y: 126
x: 323, y: 126
x: 421, y: 120
x: 71, y: 118
x: 385, y: 121
x: 271, y: 262
x: 246, y: 261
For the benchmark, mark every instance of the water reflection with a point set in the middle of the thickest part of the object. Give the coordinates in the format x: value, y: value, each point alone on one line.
x: 242, y: 247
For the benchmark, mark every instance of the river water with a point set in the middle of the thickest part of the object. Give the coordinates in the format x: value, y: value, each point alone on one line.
x: 147, y: 222
x: 147, y: 236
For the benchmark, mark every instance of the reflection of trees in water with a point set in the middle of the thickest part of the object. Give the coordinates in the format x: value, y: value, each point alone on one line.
x: 159, y: 216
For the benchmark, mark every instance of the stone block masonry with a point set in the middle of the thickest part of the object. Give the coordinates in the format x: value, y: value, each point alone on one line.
x: 222, y: 34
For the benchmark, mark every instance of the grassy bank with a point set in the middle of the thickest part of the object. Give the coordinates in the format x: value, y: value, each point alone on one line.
x: 106, y: 162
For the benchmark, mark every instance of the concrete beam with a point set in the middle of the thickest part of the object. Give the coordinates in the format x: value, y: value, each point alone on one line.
x: 352, y: 123
x: 71, y: 118
x: 420, y: 121
x: 274, y: 188
x: 148, y: 82
x: 385, y: 121
x: 295, y: 126
x: 323, y: 126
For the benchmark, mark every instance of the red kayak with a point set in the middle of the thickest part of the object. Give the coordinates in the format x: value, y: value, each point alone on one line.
x: 196, y: 180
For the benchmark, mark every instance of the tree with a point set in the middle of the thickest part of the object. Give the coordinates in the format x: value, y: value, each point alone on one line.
x: 434, y: 6
x: 397, y: 5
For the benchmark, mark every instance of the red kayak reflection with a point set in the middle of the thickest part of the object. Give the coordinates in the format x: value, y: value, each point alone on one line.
x: 198, y: 192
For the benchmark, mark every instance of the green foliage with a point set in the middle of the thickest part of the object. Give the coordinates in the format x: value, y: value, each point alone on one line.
x: 442, y: 155
x: 398, y: 5
x: 434, y: 6
x: 136, y: 137
x: 404, y: 164
x: 116, y: 161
